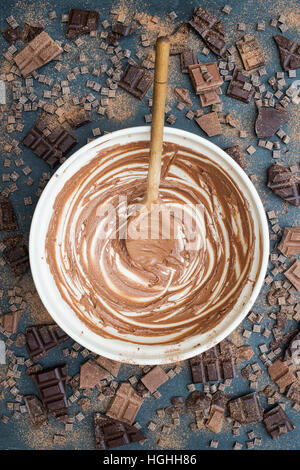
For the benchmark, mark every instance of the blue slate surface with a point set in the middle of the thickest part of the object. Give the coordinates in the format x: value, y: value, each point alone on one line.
x: 19, y: 434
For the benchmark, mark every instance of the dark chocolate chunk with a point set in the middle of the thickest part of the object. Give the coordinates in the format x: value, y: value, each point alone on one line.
x: 110, y: 433
x: 269, y: 120
x: 41, y: 339
x: 221, y: 399
x: 250, y: 52
x: 240, y: 87
x: 49, y: 147
x: 197, y: 401
x: 37, y: 53
x: 289, y: 52
x: 81, y: 22
x: 136, y: 80
x: 215, y: 364
x: 119, y: 30
x: 177, y: 401
x: 9, y: 321
x: 290, y: 242
x: 210, y: 124
x: 293, y: 392
x: 235, y: 152
x: 8, y: 219
x: 77, y: 117
x: 211, y: 29
x: 188, y: 58
x: 184, y: 96
x: 51, y: 385
x: 36, y: 410
x: 179, y: 39
x: 16, y: 255
x: 292, y: 351
x: 11, y: 35
x: 246, y: 409
x: 283, y: 183
x: 30, y: 31
x: 277, y: 422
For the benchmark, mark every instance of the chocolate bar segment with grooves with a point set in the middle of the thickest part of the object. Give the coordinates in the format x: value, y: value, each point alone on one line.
x: 36, y: 410
x: 250, y: 52
x: 8, y: 221
x: 283, y: 183
x: 51, y: 385
x: 50, y: 145
x: 41, y: 339
x: 211, y: 29
x: 125, y: 404
x: 38, y: 52
x: 16, y: 255
x: 110, y: 433
x: 277, y: 422
x: 81, y: 22
x: 240, y: 87
x: 246, y: 409
x: 119, y: 30
x: 217, y: 363
x: 188, y: 58
x: 136, y: 81
x: 289, y: 52
x: 290, y: 242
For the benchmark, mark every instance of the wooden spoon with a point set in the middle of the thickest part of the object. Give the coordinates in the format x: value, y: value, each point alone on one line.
x: 152, y: 249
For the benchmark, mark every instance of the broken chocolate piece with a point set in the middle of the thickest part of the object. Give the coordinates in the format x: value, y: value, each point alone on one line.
x: 184, y: 96
x: 41, y: 339
x: 136, y: 80
x: 292, y: 351
x: 188, y: 58
x: 81, y: 22
x: 289, y: 52
x: 210, y: 124
x: 215, y: 364
x: 277, y: 422
x: 111, y: 366
x: 211, y: 29
x: 51, y: 147
x: 246, y: 409
x: 250, y: 52
x: 269, y: 120
x: 216, y: 418
x: 11, y: 35
x: 290, y: 242
x: 293, y: 392
x: 179, y: 39
x: 110, y: 433
x: 125, y: 404
x: 281, y: 374
x: 37, y: 53
x: 197, y: 401
x: 30, y: 31
x: 240, y: 87
x: 154, y: 378
x: 119, y: 30
x: 91, y: 374
x: 16, y: 255
x: 77, y: 117
x: 283, y: 183
x: 36, y: 411
x: 9, y: 321
x: 51, y: 385
x: 200, y: 72
x: 293, y: 274
x: 8, y: 219
x: 235, y: 152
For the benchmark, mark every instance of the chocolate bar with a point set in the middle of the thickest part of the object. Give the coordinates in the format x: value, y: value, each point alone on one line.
x: 277, y: 422
x: 215, y: 364
x: 50, y: 145
x: 290, y: 242
x: 81, y: 22
x: 250, y: 52
x: 51, y: 385
x: 246, y: 409
x: 269, y: 120
x: 8, y: 219
x: 188, y: 58
x: 37, y: 53
x: 289, y: 52
x: 125, y: 404
x: 41, y: 339
x: 283, y: 183
x: 211, y: 29
x: 240, y: 87
x: 136, y: 80
x: 110, y: 433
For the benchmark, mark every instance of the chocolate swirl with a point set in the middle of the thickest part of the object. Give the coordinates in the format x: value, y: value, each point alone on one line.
x: 197, y: 284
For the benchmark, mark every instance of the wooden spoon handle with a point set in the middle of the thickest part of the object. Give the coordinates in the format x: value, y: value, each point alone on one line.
x: 158, y: 118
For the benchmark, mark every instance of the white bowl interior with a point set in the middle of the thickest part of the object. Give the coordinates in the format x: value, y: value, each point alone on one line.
x: 123, y: 351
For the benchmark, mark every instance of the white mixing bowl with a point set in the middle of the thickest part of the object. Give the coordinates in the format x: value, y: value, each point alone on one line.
x: 119, y: 350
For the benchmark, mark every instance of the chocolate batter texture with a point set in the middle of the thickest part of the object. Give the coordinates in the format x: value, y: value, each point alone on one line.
x: 186, y: 294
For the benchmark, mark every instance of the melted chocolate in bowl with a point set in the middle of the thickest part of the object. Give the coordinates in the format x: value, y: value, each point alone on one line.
x: 194, y: 288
